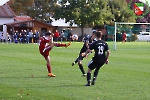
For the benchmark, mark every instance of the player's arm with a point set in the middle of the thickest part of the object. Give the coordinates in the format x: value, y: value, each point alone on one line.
x: 107, y: 55
x: 86, y: 53
x: 87, y: 44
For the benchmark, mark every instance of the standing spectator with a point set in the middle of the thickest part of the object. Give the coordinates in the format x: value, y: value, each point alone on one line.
x: 27, y: 36
x: 69, y: 36
x: 30, y: 36
x: 62, y: 37
x: 56, y: 36
x: 34, y: 37
x: 2, y: 38
x: 18, y: 35
x: 15, y: 38
x: 37, y: 36
x: 9, y: 39
x: 101, y: 55
x: 22, y: 35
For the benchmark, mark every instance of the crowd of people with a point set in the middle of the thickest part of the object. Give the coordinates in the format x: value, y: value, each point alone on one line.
x: 25, y: 36
x: 61, y: 36
x: 30, y: 36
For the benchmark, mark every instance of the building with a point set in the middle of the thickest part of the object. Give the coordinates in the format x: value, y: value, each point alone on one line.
x: 6, y: 16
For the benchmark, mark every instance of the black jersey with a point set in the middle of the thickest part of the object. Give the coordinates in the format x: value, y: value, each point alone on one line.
x: 88, y: 41
x: 100, y: 47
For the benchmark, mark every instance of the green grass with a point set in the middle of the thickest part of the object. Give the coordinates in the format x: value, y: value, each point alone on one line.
x: 23, y: 74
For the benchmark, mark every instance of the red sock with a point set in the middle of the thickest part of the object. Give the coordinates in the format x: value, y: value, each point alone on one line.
x: 60, y: 45
x: 49, y: 68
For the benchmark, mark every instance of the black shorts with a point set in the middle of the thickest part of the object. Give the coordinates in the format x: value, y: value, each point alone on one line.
x: 92, y: 65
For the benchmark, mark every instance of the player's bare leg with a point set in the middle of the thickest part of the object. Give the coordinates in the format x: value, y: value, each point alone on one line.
x: 49, y: 68
x: 62, y: 45
x: 68, y: 44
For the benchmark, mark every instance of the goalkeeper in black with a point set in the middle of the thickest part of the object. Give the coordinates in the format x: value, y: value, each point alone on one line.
x: 87, y: 41
x: 101, y: 55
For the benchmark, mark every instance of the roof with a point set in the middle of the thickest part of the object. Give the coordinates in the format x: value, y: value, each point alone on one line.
x: 61, y: 23
x: 26, y: 21
x: 6, y: 11
x: 22, y: 18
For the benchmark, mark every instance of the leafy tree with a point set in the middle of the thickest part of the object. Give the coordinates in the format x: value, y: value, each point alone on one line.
x: 20, y: 6
x: 41, y: 10
x: 84, y: 12
x: 93, y: 12
x: 121, y: 12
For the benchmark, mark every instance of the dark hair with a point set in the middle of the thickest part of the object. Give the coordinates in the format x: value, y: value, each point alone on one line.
x: 48, y: 34
x: 98, y: 34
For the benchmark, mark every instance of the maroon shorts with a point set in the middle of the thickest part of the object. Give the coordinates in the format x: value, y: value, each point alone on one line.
x: 45, y: 51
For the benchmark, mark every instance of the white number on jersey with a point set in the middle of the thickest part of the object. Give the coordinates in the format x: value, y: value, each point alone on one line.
x: 100, y: 50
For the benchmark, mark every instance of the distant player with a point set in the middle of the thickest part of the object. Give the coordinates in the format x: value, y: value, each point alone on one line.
x: 124, y: 37
x: 88, y: 40
x: 99, y: 59
x: 45, y: 45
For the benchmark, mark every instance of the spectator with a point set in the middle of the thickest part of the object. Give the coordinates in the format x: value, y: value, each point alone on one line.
x: 30, y: 36
x: 37, y: 36
x: 8, y: 39
x: 56, y: 36
x: 15, y: 37
x: 27, y: 36
x: 2, y: 38
x: 62, y: 37
x: 69, y: 36
x: 34, y: 37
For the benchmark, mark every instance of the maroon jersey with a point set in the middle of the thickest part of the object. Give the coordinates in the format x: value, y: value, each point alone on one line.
x: 43, y: 43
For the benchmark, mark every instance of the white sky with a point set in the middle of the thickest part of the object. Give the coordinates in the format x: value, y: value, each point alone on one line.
x: 3, y: 2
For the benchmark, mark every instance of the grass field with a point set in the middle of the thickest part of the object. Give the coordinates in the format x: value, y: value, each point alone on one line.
x: 23, y: 74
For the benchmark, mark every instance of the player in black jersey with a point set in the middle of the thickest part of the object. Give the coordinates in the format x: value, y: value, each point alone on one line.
x: 87, y: 42
x: 100, y: 57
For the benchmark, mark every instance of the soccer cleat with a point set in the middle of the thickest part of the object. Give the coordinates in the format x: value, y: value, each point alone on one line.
x: 84, y: 75
x: 73, y: 63
x: 51, y: 75
x: 67, y: 45
x: 87, y: 85
x: 93, y: 82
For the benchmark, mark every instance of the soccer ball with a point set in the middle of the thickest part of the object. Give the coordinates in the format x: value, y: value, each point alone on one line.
x: 74, y: 37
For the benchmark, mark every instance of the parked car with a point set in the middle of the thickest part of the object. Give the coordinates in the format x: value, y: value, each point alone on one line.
x: 143, y: 36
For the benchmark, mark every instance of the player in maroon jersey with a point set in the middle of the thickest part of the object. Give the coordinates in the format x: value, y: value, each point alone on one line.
x: 45, y: 45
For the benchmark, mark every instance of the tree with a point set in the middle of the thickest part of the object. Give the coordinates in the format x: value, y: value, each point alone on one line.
x: 121, y: 12
x: 20, y: 6
x: 93, y: 12
x: 42, y: 10
x: 84, y: 12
